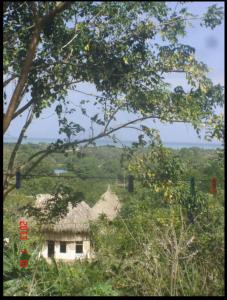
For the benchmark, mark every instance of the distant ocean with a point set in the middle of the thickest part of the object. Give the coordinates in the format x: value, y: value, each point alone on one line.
x: 104, y: 142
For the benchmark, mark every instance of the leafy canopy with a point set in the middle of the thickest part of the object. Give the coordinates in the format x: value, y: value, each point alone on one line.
x: 124, y: 48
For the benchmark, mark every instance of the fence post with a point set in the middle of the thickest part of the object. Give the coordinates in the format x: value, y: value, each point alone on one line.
x: 130, y: 184
x: 192, y: 204
x: 213, y: 186
x: 18, y: 179
x: 192, y: 187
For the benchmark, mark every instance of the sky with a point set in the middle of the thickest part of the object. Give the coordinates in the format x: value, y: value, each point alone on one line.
x: 209, y: 45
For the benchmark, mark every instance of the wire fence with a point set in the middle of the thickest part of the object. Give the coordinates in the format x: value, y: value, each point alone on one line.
x: 94, y: 177
x: 203, y: 184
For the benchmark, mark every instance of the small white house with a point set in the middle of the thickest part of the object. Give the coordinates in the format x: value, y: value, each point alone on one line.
x: 69, y: 239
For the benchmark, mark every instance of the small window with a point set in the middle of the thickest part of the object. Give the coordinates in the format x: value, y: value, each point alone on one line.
x: 63, y: 247
x: 79, y: 247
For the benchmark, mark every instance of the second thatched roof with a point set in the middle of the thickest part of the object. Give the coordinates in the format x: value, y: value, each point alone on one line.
x: 108, y: 204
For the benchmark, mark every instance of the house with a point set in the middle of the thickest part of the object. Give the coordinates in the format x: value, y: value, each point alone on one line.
x: 69, y: 238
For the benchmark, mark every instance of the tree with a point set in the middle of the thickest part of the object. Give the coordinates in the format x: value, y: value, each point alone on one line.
x: 50, y: 47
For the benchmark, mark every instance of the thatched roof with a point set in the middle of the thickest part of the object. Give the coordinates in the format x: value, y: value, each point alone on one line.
x: 76, y: 220
x: 108, y: 205
x: 78, y: 217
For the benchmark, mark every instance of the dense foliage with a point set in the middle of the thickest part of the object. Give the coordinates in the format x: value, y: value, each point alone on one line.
x: 151, y: 248
x: 168, y: 238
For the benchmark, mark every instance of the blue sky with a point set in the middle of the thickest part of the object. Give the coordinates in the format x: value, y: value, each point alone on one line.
x: 209, y: 45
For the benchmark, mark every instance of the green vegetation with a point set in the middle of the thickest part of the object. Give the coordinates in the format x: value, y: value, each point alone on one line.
x: 168, y: 238
x: 99, y: 166
x: 151, y: 248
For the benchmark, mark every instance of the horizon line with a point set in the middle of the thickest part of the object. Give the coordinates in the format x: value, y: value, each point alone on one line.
x: 127, y: 141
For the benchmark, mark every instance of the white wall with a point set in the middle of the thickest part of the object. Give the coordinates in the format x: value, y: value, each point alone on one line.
x: 70, y: 250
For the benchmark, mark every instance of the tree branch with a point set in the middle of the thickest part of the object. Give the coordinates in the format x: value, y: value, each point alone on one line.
x: 22, y: 109
x: 111, y: 117
x: 60, y: 6
x: 15, y: 99
x: 14, y: 152
x: 7, y: 81
x: 29, y: 103
x: 40, y: 23
x: 76, y: 31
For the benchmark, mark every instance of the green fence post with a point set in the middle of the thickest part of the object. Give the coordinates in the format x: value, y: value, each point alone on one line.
x: 192, y: 203
x: 130, y: 184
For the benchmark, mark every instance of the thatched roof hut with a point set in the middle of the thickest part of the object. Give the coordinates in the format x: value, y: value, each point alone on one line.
x: 69, y: 239
x: 77, y: 219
